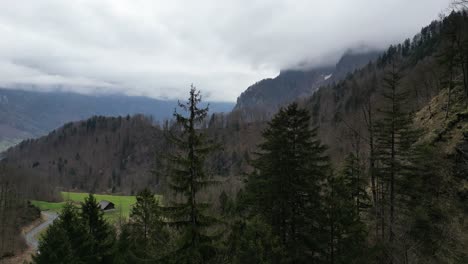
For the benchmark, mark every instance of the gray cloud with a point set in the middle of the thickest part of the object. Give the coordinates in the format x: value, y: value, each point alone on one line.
x: 158, y: 48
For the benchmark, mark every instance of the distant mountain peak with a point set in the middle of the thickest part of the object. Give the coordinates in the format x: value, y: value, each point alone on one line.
x: 269, y: 94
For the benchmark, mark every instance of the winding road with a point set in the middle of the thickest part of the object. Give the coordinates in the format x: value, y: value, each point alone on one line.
x: 31, y: 236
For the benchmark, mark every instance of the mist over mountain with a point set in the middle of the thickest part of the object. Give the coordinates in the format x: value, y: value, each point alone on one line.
x: 269, y: 94
x: 25, y: 113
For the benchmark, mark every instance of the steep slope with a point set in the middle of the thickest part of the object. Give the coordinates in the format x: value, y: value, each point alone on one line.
x: 448, y: 131
x: 269, y: 94
x: 342, y: 111
x: 27, y: 114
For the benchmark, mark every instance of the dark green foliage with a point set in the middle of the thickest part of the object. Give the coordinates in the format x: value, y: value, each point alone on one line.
x: 78, y: 237
x: 144, y: 239
x: 456, y: 48
x: 66, y: 239
x: 101, y: 232
x: 252, y: 242
x: 342, y: 226
x: 123, y: 249
x: 430, y: 211
x: 190, y: 215
x: 284, y: 188
x: 354, y: 178
x: 416, y: 200
x: 395, y: 136
x: 55, y: 248
x: 448, y: 58
x: 226, y: 205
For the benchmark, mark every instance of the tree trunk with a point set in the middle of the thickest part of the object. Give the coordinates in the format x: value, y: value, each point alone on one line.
x: 392, y: 170
x: 332, y: 235
x: 370, y: 127
x: 447, y: 110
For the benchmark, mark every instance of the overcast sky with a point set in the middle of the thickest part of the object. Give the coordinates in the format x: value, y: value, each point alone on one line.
x: 158, y: 48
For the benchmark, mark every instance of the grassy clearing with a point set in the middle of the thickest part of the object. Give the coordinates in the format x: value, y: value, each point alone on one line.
x: 46, y: 206
x: 123, y: 204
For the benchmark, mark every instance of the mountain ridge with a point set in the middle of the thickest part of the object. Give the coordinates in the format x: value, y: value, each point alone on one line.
x: 29, y: 114
x: 292, y: 84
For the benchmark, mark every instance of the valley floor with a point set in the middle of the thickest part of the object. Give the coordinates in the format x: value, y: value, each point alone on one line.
x: 123, y: 204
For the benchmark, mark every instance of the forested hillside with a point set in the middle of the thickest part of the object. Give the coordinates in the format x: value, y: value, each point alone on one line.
x: 99, y: 154
x: 370, y: 169
x: 124, y: 154
x: 28, y: 114
x: 425, y: 65
x: 15, y: 211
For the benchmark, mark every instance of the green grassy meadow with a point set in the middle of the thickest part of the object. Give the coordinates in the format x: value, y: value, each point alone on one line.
x: 123, y: 204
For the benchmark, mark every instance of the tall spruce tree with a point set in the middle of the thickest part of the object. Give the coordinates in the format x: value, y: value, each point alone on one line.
x: 145, y: 235
x: 124, y: 247
x: 188, y: 178
x: 55, y: 247
x: 395, y: 136
x: 353, y: 176
x: 342, y: 225
x: 428, y: 205
x: 285, y: 185
x: 101, y: 232
x: 252, y: 242
x: 448, y: 59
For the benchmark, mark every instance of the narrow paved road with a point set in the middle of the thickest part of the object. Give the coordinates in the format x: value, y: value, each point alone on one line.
x: 31, y: 235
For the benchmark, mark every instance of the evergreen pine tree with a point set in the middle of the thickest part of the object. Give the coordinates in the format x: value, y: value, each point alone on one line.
x: 146, y: 237
x: 342, y: 225
x: 448, y: 59
x: 123, y: 250
x: 428, y: 202
x: 251, y: 242
x: 394, y: 136
x: 66, y: 239
x: 100, y: 231
x: 353, y: 177
x: 188, y: 178
x: 55, y: 247
x: 284, y: 187
x: 224, y: 203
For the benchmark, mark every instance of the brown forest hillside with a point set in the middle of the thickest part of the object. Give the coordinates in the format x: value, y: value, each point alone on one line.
x: 122, y: 154
x: 99, y: 154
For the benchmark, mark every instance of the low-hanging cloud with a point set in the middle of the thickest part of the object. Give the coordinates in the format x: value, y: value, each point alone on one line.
x: 158, y: 48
